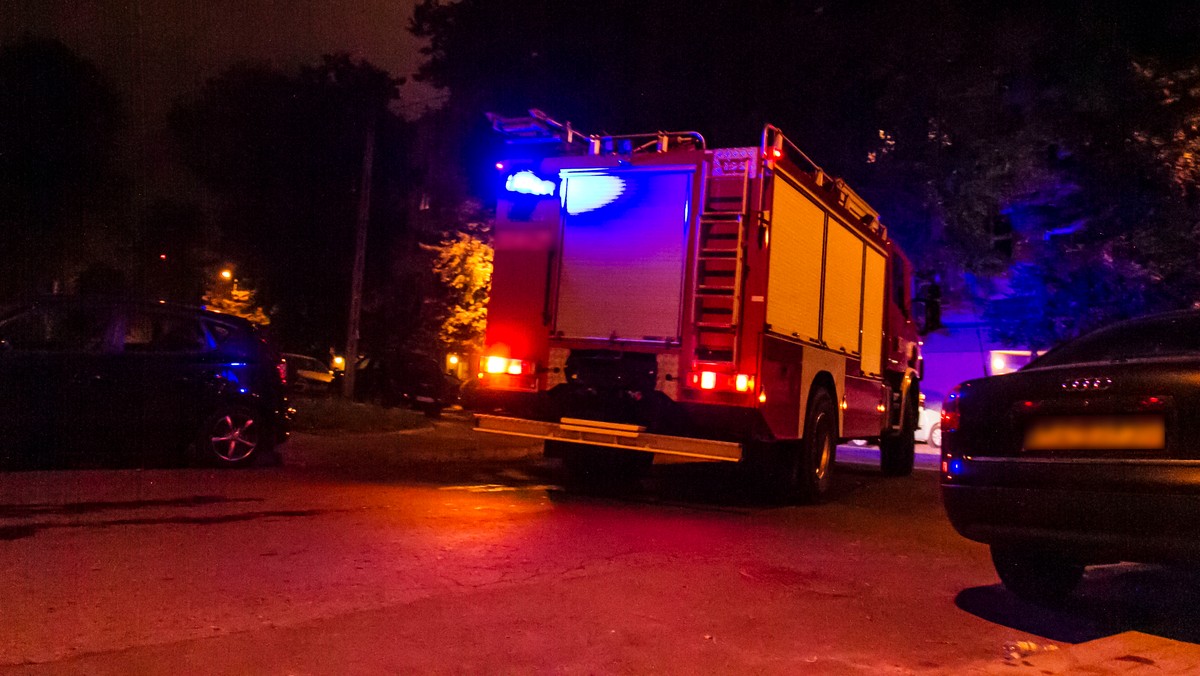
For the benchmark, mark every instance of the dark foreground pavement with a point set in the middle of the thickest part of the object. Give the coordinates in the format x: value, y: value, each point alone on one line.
x: 442, y: 552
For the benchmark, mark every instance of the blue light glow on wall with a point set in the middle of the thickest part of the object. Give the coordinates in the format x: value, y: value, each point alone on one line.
x: 589, y: 192
x: 528, y: 183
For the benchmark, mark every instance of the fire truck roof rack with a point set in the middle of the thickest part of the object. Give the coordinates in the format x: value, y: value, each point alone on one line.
x: 775, y: 144
x: 538, y: 127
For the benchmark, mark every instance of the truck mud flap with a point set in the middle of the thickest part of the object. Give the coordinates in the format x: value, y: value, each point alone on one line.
x: 612, y: 435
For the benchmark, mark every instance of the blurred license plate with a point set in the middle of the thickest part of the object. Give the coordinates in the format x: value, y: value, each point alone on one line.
x: 1096, y: 433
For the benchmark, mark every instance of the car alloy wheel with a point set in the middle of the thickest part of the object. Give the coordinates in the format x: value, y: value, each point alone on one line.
x: 233, y: 436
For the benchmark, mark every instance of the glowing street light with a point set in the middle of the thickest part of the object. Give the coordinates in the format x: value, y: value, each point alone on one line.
x: 227, y: 274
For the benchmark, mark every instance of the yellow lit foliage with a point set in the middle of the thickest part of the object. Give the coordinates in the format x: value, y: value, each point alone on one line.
x: 463, y: 264
x: 1178, y: 146
x: 236, y: 301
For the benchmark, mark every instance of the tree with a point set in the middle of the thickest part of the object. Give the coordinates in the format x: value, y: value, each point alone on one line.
x: 1172, y: 137
x: 59, y: 124
x: 234, y: 298
x: 176, y: 251
x: 1044, y: 213
x: 462, y: 262
x: 284, y: 153
x: 990, y: 137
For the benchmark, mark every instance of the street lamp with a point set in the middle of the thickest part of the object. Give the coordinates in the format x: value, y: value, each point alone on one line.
x: 227, y: 274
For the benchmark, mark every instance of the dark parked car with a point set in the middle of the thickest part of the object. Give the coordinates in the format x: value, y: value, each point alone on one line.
x: 1088, y: 455
x: 409, y: 379
x: 85, y: 378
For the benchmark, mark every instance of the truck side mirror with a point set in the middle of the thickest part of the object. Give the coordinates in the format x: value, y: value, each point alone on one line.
x: 927, y: 307
x: 927, y: 313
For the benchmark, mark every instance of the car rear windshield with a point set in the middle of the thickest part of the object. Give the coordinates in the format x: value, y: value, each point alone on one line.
x: 1162, y: 336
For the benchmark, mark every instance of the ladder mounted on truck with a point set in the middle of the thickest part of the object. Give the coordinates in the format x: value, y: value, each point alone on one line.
x: 720, y: 263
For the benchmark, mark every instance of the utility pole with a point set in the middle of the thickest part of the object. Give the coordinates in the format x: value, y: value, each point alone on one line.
x: 360, y: 258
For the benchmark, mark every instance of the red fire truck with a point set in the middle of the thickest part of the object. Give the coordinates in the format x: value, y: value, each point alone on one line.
x: 654, y: 297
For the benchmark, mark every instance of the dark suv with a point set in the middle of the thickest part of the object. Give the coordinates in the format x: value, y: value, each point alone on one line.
x: 88, y: 378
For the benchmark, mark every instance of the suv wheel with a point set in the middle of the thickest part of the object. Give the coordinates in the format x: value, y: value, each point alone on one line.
x: 1038, y: 576
x: 233, y: 437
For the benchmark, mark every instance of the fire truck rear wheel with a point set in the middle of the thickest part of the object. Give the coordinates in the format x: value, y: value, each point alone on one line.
x: 818, y: 448
x: 897, y: 451
x: 798, y: 470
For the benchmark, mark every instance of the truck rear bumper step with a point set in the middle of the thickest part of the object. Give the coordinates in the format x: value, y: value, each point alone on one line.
x: 612, y: 435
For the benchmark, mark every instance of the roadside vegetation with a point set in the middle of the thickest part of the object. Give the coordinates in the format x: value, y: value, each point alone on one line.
x: 334, y: 414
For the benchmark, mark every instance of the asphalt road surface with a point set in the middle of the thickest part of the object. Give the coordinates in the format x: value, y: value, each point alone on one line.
x: 448, y: 552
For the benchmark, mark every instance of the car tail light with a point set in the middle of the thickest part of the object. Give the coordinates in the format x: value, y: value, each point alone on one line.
x: 281, y: 369
x: 952, y: 464
x: 950, y: 410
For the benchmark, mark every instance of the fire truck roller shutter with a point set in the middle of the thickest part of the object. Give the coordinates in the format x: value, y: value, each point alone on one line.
x: 797, y: 242
x: 873, y: 298
x: 623, y: 253
x: 843, y: 289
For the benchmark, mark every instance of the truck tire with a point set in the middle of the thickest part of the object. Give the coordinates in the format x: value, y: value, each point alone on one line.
x: 818, y: 448
x: 797, y: 471
x: 897, y: 450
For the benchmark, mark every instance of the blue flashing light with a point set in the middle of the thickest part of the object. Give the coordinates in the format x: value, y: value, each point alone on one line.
x: 528, y: 183
x: 956, y: 466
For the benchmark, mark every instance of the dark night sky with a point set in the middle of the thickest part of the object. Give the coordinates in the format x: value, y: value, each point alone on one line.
x: 158, y: 50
